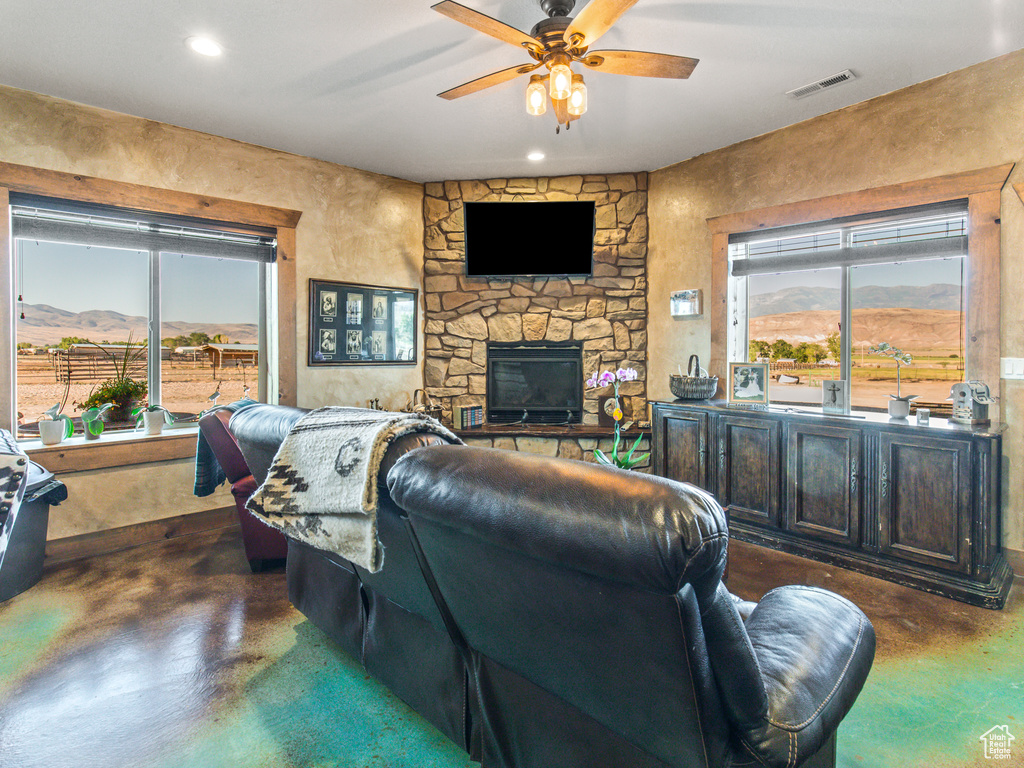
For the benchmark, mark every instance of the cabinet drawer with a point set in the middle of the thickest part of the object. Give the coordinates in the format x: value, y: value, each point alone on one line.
x: 749, y: 451
x: 684, y: 436
x: 924, y: 493
x: 824, y: 481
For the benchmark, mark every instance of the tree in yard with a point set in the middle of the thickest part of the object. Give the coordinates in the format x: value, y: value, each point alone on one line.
x: 782, y: 349
x: 833, y: 344
x: 67, y: 341
x: 806, y: 352
x: 759, y: 348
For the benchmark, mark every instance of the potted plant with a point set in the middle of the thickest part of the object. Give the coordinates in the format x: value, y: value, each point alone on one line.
x: 121, y: 390
x: 55, y: 426
x: 92, y: 421
x: 603, y: 380
x: 899, y: 404
x: 153, y: 417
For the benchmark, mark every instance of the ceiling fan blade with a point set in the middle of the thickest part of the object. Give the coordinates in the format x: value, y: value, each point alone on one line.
x: 495, y: 78
x: 640, y: 63
x: 596, y: 19
x: 483, y: 23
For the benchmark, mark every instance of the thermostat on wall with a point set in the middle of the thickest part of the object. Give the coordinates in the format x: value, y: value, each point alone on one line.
x: 685, y: 303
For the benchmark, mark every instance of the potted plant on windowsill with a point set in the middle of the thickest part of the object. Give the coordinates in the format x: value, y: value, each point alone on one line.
x: 899, y: 404
x: 55, y: 426
x: 153, y: 417
x: 121, y: 390
x: 92, y: 421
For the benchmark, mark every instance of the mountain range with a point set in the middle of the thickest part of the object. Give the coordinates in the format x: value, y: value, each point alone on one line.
x: 919, y: 331
x: 44, y: 324
x: 944, y: 296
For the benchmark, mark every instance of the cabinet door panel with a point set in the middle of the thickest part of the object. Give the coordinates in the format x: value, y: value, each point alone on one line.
x: 824, y: 483
x: 685, y: 437
x: 924, y: 489
x: 749, y: 451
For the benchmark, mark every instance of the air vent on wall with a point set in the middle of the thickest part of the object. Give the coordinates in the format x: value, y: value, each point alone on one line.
x: 827, y: 82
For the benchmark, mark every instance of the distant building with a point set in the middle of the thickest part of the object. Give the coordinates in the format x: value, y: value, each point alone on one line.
x: 232, y: 355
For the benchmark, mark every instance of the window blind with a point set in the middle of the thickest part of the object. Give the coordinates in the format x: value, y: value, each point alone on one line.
x: 58, y: 221
x: 926, y: 232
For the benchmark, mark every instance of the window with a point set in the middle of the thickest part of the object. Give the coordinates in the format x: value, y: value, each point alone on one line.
x: 897, y: 277
x: 96, y: 284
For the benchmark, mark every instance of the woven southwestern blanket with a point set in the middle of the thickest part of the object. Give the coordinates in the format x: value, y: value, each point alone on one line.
x: 321, y: 488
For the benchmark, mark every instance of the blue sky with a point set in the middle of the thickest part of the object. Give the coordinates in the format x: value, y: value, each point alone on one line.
x: 195, y: 289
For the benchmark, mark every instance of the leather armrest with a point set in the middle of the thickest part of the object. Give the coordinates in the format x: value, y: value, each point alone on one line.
x: 814, y: 649
x: 214, y: 426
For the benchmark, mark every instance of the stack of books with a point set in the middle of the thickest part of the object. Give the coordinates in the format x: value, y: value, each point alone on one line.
x: 467, y: 416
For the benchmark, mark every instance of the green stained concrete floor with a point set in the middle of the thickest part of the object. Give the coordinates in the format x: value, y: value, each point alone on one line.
x: 173, y: 655
x: 944, y: 672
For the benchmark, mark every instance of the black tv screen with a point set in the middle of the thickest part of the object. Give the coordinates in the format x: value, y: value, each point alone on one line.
x: 529, y: 239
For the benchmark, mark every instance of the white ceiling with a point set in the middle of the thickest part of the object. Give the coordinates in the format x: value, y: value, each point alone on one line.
x: 355, y: 81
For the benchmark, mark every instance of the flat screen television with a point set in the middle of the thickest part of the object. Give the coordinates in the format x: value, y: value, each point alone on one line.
x: 530, y: 239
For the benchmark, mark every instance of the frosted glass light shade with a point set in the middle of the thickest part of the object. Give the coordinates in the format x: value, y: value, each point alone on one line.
x: 561, y: 81
x: 536, y: 96
x: 577, y: 104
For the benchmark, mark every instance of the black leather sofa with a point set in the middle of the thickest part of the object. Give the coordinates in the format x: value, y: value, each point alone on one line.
x: 544, y: 612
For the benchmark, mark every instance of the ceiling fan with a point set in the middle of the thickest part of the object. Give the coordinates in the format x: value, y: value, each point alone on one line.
x: 556, y: 43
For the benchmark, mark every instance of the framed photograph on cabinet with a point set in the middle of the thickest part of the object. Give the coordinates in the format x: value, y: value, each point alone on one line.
x: 748, y: 384
x: 351, y: 324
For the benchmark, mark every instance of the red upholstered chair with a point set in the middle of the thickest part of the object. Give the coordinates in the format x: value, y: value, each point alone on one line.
x: 263, y: 544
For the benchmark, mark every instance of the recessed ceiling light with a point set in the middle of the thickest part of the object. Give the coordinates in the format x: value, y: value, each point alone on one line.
x: 535, y: 156
x: 204, y: 45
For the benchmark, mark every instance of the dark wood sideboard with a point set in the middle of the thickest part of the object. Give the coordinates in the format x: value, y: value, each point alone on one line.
x: 917, y: 505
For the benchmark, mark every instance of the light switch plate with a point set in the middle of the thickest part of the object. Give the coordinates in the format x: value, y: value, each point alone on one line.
x: 1011, y: 367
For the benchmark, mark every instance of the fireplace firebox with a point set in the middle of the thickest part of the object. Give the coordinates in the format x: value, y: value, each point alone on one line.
x: 535, y: 382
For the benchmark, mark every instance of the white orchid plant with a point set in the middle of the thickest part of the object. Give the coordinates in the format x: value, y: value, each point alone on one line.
x: 606, y: 379
x: 900, y: 357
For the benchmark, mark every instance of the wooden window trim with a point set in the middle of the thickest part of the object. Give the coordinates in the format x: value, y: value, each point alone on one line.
x: 69, y: 186
x: 982, y: 190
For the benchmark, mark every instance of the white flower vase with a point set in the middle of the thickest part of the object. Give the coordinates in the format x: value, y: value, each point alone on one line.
x: 153, y: 422
x: 899, y: 407
x: 51, y: 432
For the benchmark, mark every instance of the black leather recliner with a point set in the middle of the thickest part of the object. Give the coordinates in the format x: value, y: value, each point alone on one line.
x: 546, y: 612
x: 590, y: 605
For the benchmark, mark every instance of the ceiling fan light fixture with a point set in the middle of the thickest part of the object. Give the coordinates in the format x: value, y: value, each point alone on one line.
x: 577, y: 96
x: 536, y: 96
x: 561, y: 78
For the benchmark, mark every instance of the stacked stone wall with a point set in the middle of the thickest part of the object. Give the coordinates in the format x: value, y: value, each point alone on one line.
x: 607, y: 311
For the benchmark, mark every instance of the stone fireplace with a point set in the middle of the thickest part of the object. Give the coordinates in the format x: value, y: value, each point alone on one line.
x: 605, y: 313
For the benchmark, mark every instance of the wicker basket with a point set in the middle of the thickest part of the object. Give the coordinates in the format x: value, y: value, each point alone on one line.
x: 693, y: 387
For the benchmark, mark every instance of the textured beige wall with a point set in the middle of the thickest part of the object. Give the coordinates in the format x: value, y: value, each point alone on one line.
x: 356, y: 226
x: 969, y: 119
x: 111, y: 498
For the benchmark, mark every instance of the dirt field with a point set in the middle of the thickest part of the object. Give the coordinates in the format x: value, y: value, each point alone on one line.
x: 187, y: 387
